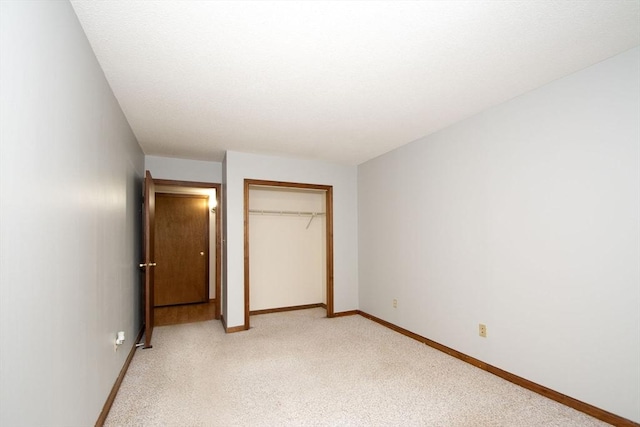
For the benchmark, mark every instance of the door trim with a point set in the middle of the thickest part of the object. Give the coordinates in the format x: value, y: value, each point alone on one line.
x: 218, y: 261
x: 328, y: 189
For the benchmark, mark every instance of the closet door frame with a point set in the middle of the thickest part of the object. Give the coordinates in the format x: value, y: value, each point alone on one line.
x: 328, y: 189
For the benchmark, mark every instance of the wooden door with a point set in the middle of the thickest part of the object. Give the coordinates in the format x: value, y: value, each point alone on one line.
x: 181, y: 249
x: 149, y: 261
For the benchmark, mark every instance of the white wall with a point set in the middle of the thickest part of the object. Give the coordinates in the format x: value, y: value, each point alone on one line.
x: 287, y: 253
x: 183, y: 169
x: 238, y: 166
x: 525, y: 218
x: 222, y: 211
x: 71, y: 172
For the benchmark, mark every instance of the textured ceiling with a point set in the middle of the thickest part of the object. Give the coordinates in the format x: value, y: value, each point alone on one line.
x: 336, y: 81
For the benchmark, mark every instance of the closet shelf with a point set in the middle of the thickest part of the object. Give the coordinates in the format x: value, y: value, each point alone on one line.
x: 292, y: 213
x: 296, y: 213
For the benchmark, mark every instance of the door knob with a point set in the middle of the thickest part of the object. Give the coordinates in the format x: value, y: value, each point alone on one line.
x: 151, y: 264
x: 201, y: 253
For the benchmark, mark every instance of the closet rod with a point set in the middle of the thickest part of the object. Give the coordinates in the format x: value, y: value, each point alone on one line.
x: 299, y: 213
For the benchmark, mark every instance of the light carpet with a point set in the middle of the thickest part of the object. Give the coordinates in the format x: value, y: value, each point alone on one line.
x: 299, y: 368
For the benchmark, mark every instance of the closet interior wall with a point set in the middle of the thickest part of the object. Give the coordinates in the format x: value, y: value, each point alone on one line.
x: 287, y: 247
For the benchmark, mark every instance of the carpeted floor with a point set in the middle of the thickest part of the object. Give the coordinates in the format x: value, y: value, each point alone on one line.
x: 301, y: 369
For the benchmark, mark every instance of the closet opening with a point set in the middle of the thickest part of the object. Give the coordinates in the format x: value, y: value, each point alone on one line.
x: 288, y: 247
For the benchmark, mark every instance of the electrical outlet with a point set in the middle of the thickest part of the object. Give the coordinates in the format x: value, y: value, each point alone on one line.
x: 395, y: 303
x: 482, y: 330
x: 119, y: 340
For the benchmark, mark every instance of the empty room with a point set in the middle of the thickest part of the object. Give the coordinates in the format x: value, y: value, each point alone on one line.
x: 268, y: 213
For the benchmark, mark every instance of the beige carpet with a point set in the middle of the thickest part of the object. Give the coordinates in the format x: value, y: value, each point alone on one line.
x: 301, y: 369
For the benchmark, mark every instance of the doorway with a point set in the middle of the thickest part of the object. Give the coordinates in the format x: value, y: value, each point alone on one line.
x: 182, y: 249
x: 308, y: 208
x: 187, y: 252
